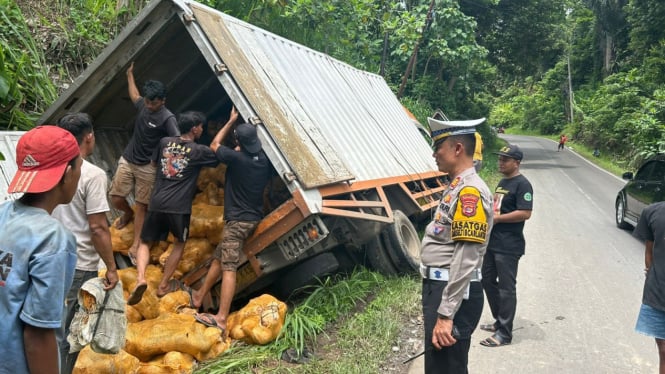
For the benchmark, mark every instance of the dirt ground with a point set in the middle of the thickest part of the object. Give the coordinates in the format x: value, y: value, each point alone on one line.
x: 409, y: 344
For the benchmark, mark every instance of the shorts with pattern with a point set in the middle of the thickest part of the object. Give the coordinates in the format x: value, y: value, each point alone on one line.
x: 651, y: 322
x: 233, y: 239
x: 128, y: 176
x: 157, y: 226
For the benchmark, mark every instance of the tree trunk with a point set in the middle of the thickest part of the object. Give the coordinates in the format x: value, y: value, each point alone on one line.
x: 412, y: 60
x: 384, y: 56
x: 607, y: 63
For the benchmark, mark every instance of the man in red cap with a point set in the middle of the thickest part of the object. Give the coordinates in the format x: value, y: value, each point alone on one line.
x: 37, y: 253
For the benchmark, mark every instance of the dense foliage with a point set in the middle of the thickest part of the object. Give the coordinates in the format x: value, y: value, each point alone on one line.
x: 590, y: 68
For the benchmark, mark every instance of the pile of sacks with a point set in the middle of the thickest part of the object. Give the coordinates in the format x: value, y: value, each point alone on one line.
x: 163, y: 336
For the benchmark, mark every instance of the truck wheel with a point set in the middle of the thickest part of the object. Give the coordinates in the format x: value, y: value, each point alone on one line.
x: 402, y: 244
x: 304, y: 274
x: 378, y: 257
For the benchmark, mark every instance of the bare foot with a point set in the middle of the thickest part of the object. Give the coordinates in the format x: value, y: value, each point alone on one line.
x: 124, y: 221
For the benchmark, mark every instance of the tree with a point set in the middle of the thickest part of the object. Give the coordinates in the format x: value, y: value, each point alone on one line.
x: 611, y: 29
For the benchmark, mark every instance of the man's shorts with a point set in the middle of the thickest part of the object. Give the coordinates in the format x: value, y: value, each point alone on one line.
x: 157, y: 226
x: 128, y: 176
x: 233, y: 239
x: 651, y: 322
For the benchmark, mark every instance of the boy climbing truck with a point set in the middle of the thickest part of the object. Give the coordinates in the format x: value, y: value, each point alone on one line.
x: 352, y: 174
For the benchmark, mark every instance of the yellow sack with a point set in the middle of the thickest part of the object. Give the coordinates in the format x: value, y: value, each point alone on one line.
x: 170, y: 332
x: 173, y: 302
x: 207, y: 221
x: 122, y: 239
x: 90, y: 362
x: 215, y: 176
x: 211, y: 195
x: 148, y: 307
x: 170, y: 363
x: 259, y: 322
x: 196, y: 251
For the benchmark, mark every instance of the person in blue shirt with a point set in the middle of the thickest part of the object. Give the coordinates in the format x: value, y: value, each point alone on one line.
x: 37, y: 253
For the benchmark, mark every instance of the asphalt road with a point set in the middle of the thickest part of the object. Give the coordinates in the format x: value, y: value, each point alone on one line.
x: 579, y: 286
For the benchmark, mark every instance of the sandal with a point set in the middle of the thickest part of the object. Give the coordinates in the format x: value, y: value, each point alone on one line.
x: 488, y: 327
x: 137, y: 294
x: 493, y: 341
x: 208, y: 320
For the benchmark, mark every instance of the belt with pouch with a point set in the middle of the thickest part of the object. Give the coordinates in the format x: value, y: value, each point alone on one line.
x: 443, y: 274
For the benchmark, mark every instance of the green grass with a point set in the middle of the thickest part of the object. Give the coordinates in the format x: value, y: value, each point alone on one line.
x: 332, y: 299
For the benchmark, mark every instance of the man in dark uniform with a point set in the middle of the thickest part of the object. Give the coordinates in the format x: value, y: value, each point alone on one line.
x: 452, y: 251
x: 513, y: 202
x: 135, y: 171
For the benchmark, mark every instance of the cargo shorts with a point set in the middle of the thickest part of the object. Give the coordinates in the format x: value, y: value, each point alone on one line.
x: 233, y: 239
x: 140, y: 178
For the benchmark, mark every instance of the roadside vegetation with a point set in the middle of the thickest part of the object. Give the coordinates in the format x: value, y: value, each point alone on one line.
x: 591, y: 69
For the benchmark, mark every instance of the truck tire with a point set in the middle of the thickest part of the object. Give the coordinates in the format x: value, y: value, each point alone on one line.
x: 378, y: 257
x: 402, y: 244
x: 304, y: 274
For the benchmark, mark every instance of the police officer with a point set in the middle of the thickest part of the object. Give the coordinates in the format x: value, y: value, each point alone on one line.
x: 452, y: 251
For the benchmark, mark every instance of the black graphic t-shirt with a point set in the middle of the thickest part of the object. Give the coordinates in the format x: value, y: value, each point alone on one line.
x: 178, y: 165
x: 511, y: 194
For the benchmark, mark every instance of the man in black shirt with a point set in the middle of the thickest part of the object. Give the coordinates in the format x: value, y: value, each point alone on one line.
x: 513, y: 202
x: 135, y: 171
x: 247, y: 174
x: 651, y: 320
x: 179, y: 161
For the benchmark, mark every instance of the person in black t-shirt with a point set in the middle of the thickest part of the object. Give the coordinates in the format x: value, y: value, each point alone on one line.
x: 651, y: 320
x: 513, y: 202
x: 247, y: 174
x: 179, y: 161
x: 135, y: 171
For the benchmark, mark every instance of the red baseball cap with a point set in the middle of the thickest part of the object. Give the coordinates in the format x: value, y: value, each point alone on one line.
x: 42, y: 155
